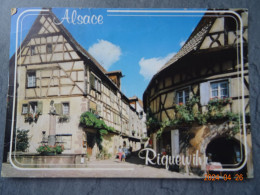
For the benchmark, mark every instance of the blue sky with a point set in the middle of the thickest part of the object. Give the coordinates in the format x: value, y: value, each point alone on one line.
x: 138, y: 44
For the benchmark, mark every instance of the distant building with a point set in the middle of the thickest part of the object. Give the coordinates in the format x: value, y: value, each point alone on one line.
x: 57, y: 81
x: 203, y: 82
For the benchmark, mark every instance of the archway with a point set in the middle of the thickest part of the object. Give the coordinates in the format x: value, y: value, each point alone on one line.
x: 227, y: 151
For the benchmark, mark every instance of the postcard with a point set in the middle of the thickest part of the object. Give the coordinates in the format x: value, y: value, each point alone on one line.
x: 128, y: 93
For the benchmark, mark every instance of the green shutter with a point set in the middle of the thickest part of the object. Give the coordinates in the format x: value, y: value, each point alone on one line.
x: 39, y: 107
x: 58, y: 108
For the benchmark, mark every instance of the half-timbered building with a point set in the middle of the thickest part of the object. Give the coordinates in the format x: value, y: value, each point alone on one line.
x: 57, y: 81
x: 205, y: 73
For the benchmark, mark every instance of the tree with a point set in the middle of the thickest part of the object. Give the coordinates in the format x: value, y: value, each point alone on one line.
x: 22, y: 140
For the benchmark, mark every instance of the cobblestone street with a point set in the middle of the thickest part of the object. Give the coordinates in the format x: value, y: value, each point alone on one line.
x: 132, y: 168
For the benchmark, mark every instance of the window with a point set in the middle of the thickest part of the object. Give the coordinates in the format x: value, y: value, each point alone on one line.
x: 25, y: 109
x: 33, y: 107
x: 95, y: 83
x: 230, y: 24
x: 31, y: 79
x: 49, y: 48
x: 219, y: 90
x: 65, y: 108
x: 183, y: 96
x: 33, y: 50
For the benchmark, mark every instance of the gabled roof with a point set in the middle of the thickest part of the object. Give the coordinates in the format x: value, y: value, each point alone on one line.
x: 36, y: 27
x: 80, y: 50
x: 194, y: 41
x: 191, y: 45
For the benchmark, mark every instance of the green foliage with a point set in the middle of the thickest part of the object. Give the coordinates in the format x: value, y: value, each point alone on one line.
x: 88, y: 119
x: 22, y: 140
x: 144, y: 139
x: 59, y: 149
x: 152, y: 123
x: 184, y: 114
x: 188, y: 114
x: 45, y: 149
x: 216, y: 104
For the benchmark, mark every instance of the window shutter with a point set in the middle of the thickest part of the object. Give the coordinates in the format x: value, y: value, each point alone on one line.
x: 114, y: 117
x: 39, y: 107
x: 204, y: 93
x: 99, y: 110
x: 58, y: 108
x: 111, y: 96
x: 118, y: 118
x: 92, y: 81
x: 93, y: 106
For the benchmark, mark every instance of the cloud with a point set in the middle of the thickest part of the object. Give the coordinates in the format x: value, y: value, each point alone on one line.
x: 182, y: 43
x: 150, y: 66
x: 105, y: 52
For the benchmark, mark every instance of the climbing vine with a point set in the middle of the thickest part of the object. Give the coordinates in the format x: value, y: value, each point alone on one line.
x: 88, y: 119
x: 189, y: 113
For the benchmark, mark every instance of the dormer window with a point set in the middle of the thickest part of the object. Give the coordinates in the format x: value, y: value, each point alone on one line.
x: 49, y: 48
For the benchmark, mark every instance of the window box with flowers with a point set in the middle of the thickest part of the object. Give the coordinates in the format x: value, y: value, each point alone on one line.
x: 32, y: 111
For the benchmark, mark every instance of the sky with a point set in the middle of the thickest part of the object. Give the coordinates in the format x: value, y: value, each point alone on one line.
x: 137, y: 43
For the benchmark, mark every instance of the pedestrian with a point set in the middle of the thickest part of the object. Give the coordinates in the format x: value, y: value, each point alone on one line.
x: 120, y: 152
x: 124, y: 154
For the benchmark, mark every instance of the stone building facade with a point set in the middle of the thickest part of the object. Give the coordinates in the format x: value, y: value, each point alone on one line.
x: 57, y: 81
x: 205, y: 73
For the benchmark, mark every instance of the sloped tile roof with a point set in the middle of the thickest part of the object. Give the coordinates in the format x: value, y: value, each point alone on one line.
x: 193, y: 43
